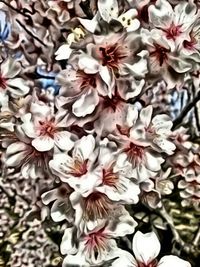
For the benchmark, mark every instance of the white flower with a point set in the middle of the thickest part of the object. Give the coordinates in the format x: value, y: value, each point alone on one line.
x: 76, y: 169
x: 174, y: 24
x: 110, y: 10
x: 146, y: 248
x: 112, y: 181
x: 97, y: 245
x: 61, y: 208
x: 46, y: 129
x: 80, y: 89
x: 155, y: 130
x: 111, y: 60
x: 9, y: 69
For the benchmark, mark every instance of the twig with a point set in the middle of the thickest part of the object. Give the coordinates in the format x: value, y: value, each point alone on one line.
x: 187, y: 108
x: 30, y: 33
x: 170, y: 222
x: 15, y: 9
x: 197, y: 238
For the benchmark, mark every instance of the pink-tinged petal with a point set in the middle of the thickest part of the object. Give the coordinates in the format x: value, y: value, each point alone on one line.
x: 168, y: 261
x: 108, y: 9
x: 68, y: 243
x: 43, y: 143
x: 85, y: 104
x: 146, y: 247
x: 63, y: 52
x: 88, y: 64
x: 64, y: 140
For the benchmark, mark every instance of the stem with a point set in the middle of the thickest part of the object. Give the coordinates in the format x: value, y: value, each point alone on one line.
x: 30, y: 33
x: 197, y: 238
x: 170, y: 222
x: 187, y: 108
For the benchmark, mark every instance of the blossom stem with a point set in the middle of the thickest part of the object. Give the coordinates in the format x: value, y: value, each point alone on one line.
x: 185, y: 111
x: 170, y: 222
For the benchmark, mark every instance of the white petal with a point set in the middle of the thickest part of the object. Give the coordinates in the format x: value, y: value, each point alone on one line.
x: 59, y: 211
x: 90, y: 25
x: 84, y: 147
x: 146, y: 114
x: 68, y: 246
x: 49, y: 196
x: 10, y: 68
x: 63, y: 140
x: 88, y: 64
x: 129, y: 21
x: 153, y: 163
x: 17, y: 86
x: 108, y: 9
x: 86, y: 104
x: 43, y: 143
x: 125, y: 259
x: 63, y: 52
x: 168, y: 261
x: 107, y: 77
x: 146, y: 247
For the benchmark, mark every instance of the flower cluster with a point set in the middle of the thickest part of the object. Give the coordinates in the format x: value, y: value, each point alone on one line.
x: 100, y: 118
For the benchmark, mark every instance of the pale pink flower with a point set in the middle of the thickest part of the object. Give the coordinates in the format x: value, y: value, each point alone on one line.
x: 47, y: 129
x: 146, y: 248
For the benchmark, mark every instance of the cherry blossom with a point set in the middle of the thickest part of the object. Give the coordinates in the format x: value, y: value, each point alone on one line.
x: 146, y: 248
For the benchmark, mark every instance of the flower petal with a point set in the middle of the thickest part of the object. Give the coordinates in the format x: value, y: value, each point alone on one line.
x: 171, y: 260
x: 146, y: 247
x: 43, y: 143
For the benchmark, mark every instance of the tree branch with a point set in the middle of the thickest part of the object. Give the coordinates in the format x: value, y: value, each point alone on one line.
x: 185, y: 111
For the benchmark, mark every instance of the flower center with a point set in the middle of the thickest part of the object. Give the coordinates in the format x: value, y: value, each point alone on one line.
x: 111, y: 56
x: 86, y: 80
x: 113, y: 103
x: 97, y: 206
x: 154, y: 263
x: 47, y: 128
x: 96, y: 239
x: 160, y: 53
x: 109, y: 177
x: 135, y: 153
x: 173, y: 31
x: 79, y: 168
x: 2, y: 82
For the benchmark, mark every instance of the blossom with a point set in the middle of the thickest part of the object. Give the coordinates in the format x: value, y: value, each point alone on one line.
x: 175, y: 24
x: 81, y: 89
x: 98, y: 245
x: 146, y: 248
x: 9, y: 80
x: 45, y: 128
x: 76, y: 170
